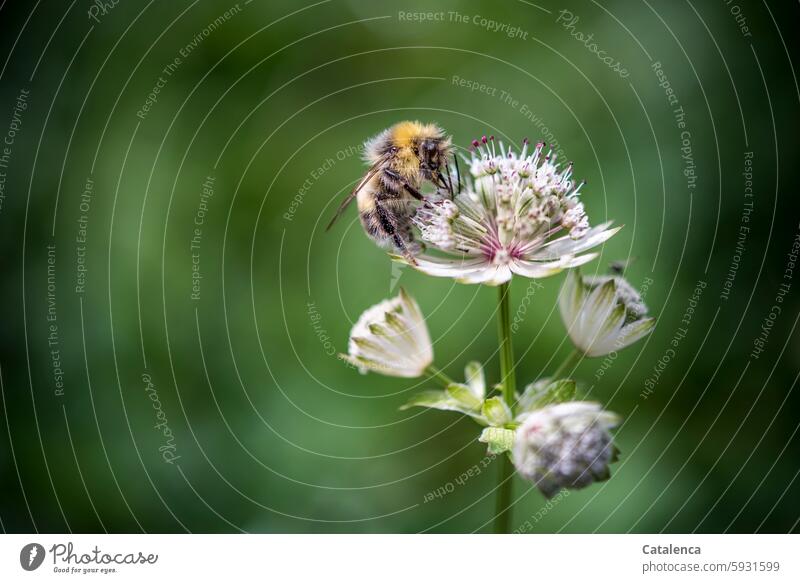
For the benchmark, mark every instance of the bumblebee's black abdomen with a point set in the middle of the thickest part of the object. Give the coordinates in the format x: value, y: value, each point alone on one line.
x: 387, y: 217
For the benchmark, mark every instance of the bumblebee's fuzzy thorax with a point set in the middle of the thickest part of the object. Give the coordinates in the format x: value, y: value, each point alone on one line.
x: 406, y: 163
x: 410, y: 133
x: 405, y: 135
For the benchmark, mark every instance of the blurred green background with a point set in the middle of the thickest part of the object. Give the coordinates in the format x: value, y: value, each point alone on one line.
x: 254, y: 131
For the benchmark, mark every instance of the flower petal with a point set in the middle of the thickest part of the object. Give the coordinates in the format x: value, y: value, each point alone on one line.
x: 446, y: 267
x: 491, y: 275
x: 475, y: 379
x: 539, y: 269
x: 571, y: 298
x: 594, y: 313
x: 567, y: 246
x: 535, y: 269
x: 599, y: 303
x: 604, y: 339
x: 634, y: 331
x: 391, y: 338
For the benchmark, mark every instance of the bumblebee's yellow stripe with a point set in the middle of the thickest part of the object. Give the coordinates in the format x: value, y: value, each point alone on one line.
x: 406, y: 132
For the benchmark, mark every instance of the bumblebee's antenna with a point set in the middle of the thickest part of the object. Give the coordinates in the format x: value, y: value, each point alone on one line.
x: 458, y: 173
x: 449, y: 178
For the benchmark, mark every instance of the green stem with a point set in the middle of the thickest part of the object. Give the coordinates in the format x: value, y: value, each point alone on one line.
x: 439, y: 376
x: 568, y: 362
x: 502, y: 517
x: 507, y: 374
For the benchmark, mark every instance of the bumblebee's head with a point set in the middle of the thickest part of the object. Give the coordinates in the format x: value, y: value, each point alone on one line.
x: 431, y: 153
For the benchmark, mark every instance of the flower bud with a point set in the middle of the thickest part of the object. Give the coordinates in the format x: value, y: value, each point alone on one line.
x: 567, y: 445
x: 391, y: 338
x: 602, y: 315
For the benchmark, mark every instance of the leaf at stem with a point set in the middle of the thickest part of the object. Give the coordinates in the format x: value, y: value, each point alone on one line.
x: 543, y: 393
x: 464, y: 396
x: 496, y: 412
x: 442, y: 401
x: 475, y: 379
x: 498, y: 439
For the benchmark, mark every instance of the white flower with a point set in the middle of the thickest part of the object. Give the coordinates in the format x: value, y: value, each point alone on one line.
x: 391, y: 338
x: 565, y: 446
x: 602, y: 314
x: 518, y: 214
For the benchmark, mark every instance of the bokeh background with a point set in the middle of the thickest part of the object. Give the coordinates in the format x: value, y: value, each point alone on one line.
x: 255, y: 132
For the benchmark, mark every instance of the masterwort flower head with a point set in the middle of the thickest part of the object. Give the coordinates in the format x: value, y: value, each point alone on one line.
x: 603, y: 314
x: 391, y: 338
x: 567, y: 445
x: 519, y: 213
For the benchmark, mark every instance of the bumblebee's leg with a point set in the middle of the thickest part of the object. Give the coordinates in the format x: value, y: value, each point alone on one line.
x: 411, y: 190
x: 440, y: 182
x: 404, y: 210
x: 413, y: 245
x: 389, y: 228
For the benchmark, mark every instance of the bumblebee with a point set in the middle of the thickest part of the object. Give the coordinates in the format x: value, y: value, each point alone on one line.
x: 401, y: 159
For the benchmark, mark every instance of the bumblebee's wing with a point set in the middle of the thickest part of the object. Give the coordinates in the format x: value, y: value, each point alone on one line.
x: 374, y: 169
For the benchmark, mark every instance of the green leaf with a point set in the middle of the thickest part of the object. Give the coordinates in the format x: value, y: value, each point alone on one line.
x: 496, y: 411
x: 561, y: 391
x: 498, y: 439
x: 464, y: 396
x: 473, y: 373
x: 442, y: 401
x: 531, y: 394
x: 432, y: 399
x: 543, y: 393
